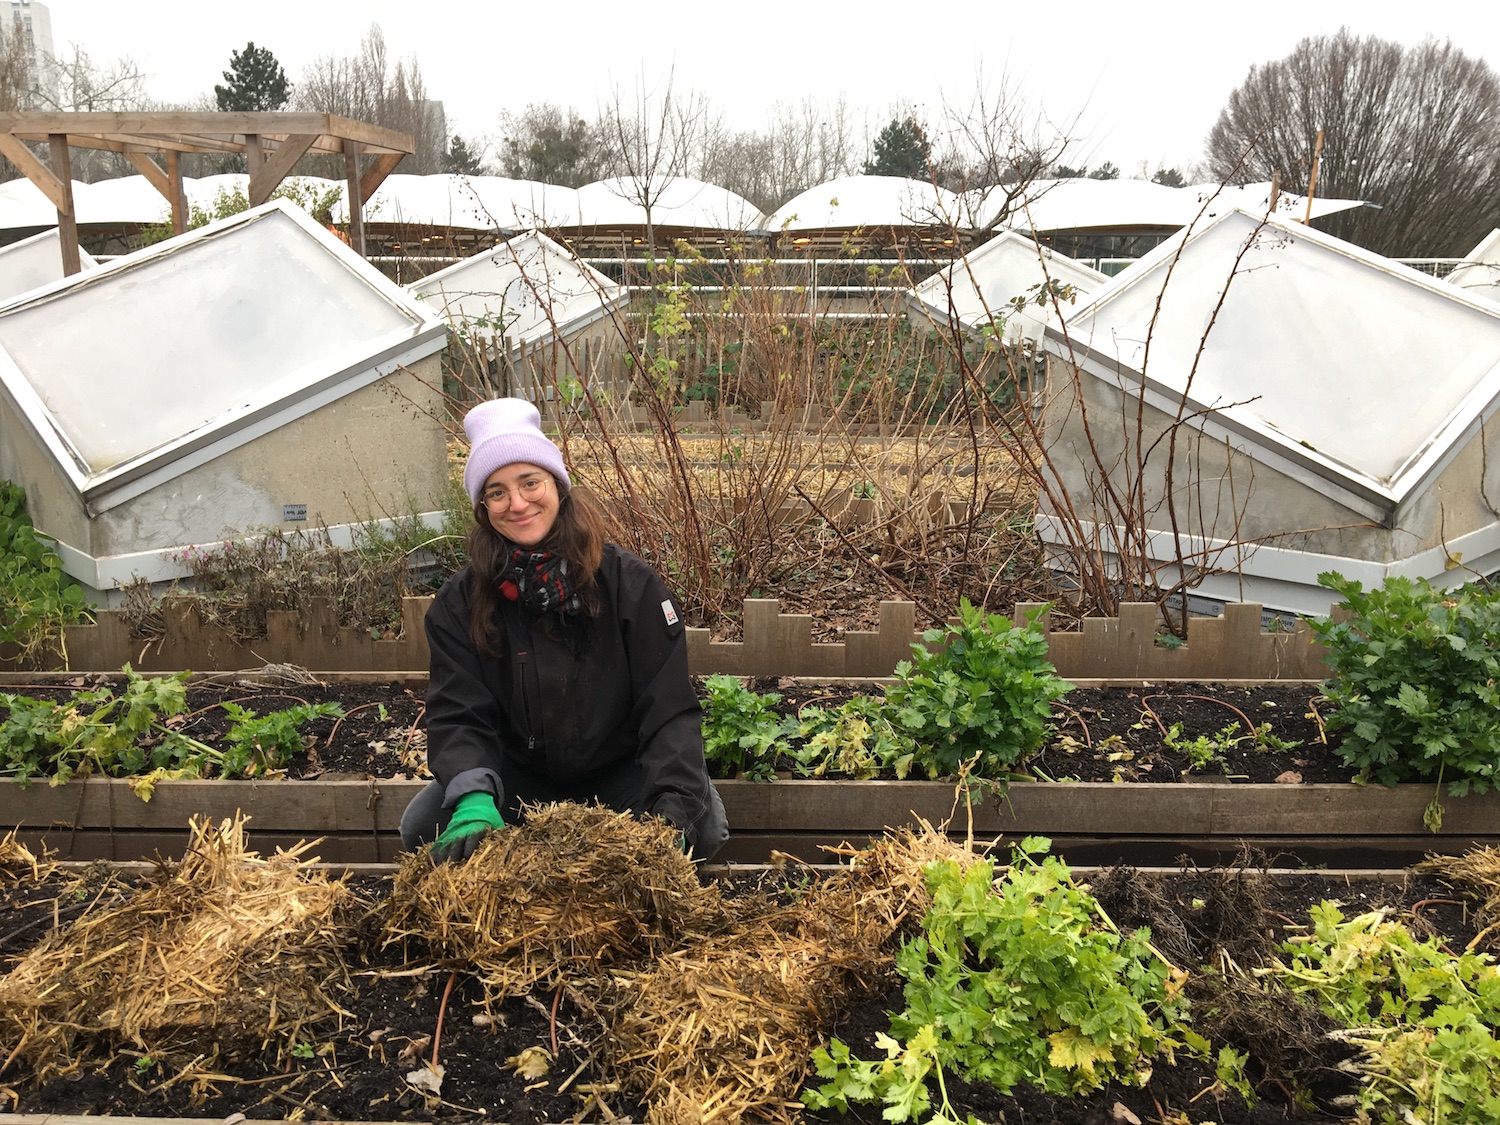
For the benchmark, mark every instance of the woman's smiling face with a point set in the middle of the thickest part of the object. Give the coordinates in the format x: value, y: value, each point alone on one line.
x: 521, y: 502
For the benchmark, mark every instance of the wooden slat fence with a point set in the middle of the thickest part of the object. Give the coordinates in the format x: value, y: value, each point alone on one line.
x: 1231, y: 647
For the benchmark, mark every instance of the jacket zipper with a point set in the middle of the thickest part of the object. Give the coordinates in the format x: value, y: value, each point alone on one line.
x: 520, y: 687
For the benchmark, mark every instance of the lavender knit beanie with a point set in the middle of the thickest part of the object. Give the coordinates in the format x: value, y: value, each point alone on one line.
x: 502, y: 432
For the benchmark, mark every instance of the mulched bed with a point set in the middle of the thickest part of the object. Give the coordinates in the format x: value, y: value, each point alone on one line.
x: 358, y: 1071
x: 1099, y: 733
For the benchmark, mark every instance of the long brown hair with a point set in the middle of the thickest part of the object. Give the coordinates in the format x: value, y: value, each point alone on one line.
x: 578, y: 535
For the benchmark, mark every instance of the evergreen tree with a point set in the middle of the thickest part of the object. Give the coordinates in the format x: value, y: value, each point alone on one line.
x: 901, y: 149
x: 255, y: 82
x: 460, y: 159
x: 1105, y: 171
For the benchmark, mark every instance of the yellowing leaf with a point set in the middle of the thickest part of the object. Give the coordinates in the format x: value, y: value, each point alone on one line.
x: 532, y: 1063
x: 1069, y: 1049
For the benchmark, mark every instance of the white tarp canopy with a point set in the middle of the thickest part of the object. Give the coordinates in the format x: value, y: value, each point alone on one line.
x: 867, y: 201
x: 1084, y: 204
x: 128, y: 200
x: 527, y: 290
x: 1479, y: 272
x: 197, y: 344
x: 1353, y: 388
x: 34, y: 262
x: 979, y: 288
x: 468, y: 203
x: 675, y: 201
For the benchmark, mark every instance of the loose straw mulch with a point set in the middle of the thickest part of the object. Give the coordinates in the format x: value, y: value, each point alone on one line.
x: 722, y: 1031
x: 1477, y: 874
x: 569, y: 892
x: 224, y: 952
x: 18, y: 862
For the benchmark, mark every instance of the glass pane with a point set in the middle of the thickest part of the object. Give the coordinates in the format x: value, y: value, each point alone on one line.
x: 195, y: 336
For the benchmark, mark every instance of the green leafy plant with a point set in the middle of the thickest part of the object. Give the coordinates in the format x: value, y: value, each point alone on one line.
x: 130, y: 733
x: 36, y: 597
x: 1020, y: 979
x: 118, y: 735
x: 856, y: 739
x: 743, y: 733
x: 981, y: 693
x: 261, y: 744
x: 1415, y: 682
x: 1423, y: 1020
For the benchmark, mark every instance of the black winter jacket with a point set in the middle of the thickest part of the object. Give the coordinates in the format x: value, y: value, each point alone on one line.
x: 595, y: 692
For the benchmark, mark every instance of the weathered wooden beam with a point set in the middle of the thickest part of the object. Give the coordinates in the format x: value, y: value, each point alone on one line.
x: 67, y: 218
x: 276, y: 167
x: 354, y: 188
x: 57, y: 192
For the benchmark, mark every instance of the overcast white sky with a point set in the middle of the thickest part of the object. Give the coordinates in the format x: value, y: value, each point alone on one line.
x: 1148, y: 79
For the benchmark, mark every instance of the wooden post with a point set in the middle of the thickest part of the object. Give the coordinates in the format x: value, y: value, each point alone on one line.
x: 67, y: 220
x: 355, y: 192
x: 178, y: 200
x: 1312, y: 180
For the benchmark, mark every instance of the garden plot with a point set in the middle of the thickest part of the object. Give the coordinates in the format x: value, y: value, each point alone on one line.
x: 607, y: 982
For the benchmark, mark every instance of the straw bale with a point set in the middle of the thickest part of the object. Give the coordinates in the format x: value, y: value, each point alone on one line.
x: 226, y: 951
x: 570, y: 891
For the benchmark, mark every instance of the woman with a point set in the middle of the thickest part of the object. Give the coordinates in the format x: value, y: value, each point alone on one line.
x: 559, y: 662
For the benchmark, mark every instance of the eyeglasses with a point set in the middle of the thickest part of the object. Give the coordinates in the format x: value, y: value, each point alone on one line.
x: 498, y: 499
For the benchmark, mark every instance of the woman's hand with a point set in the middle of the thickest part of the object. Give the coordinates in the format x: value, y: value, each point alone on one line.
x: 473, y: 816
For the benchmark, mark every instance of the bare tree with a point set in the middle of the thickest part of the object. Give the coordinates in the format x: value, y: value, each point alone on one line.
x: 1413, y: 130
x: 994, y: 146
x: 652, y: 137
x: 79, y: 84
x: 803, y: 145
x: 365, y: 87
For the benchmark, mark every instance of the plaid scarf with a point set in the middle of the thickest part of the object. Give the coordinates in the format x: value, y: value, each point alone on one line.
x: 539, y: 580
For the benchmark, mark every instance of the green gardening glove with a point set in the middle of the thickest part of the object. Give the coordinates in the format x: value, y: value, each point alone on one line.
x: 473, y: 816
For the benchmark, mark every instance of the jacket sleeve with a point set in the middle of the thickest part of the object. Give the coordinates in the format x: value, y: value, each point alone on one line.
x: 666, y: 710
x: 463, y: 716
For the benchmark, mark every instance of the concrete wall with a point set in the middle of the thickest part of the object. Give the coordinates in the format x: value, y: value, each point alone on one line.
x: 378, y: 452
x: 52, y: 502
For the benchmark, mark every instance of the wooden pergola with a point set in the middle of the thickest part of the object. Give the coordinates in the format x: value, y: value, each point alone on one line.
x: 272, y: 144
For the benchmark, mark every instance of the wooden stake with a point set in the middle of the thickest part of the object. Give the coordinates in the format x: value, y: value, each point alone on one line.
x: 1312, y: 182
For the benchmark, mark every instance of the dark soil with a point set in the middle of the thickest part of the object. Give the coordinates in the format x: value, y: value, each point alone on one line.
x: 357, y: 1071
x: 1166, y: 733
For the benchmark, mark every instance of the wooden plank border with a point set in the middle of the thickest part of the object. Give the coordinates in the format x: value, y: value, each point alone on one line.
x: 1234, y: 646
x: 1090, y: 822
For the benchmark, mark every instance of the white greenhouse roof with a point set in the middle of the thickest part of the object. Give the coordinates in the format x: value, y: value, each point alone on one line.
x: 199, y: 344
x: 34, y: 262
x: 525, y: 290
x: 980, y: 287
x: 126, y: 200
x: 1084, y: 204
x: 467, y: 203
x: 1479, y: 272
x: 867, y: 201
x: 676, y: 201
x: 1362, y: 371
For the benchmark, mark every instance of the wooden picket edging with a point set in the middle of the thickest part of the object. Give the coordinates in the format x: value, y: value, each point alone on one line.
x: 1089, y: 823
x: 1231, y: 647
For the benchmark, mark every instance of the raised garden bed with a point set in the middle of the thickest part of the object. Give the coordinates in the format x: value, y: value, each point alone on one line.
x: 362, y: 770
x: 360, y: 1069
x: 1091, y: 822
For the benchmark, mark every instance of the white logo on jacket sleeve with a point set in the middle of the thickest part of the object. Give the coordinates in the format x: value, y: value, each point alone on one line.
x: 668, y: 612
